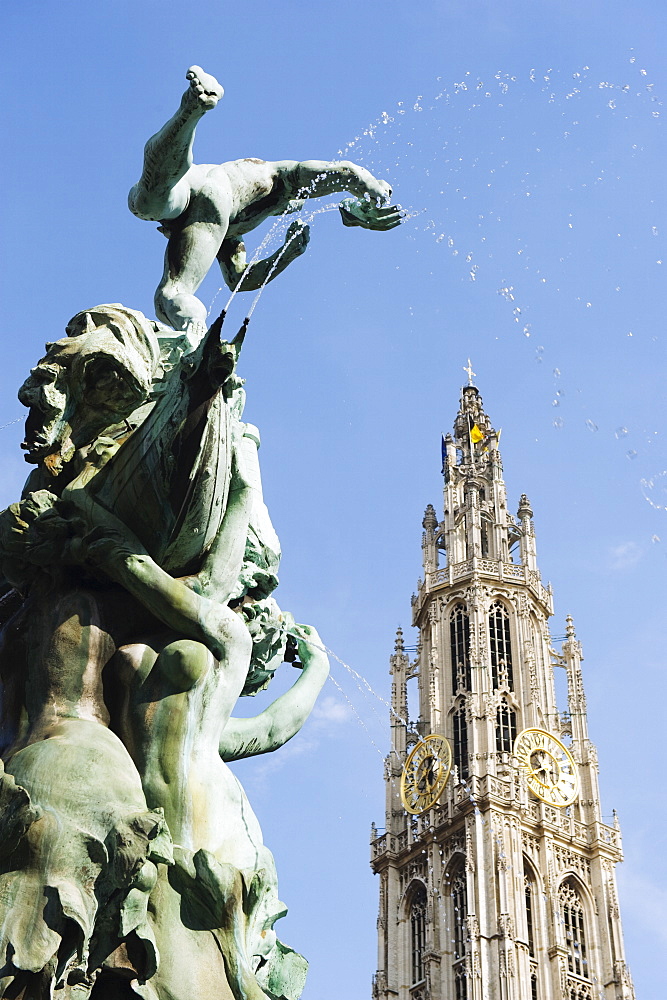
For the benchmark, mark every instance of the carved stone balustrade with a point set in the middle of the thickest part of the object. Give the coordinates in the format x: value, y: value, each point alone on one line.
x: 495, y: 569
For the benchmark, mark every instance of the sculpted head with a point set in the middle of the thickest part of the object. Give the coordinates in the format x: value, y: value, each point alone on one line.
x: 93, y: 378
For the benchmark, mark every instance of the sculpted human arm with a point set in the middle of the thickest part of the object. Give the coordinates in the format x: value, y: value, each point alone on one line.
x: 370, y: 207
x: 286, y: 715
x: 237, y: 273
x: 317, y: 178
x: 195, y: 606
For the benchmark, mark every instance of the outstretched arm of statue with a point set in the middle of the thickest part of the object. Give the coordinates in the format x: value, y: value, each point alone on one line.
x: 286, y: 715
x: 317, y: 178
x: 182, y: 605
x: 238, y: 274
x: 170, y: 600
x: 370, y: 207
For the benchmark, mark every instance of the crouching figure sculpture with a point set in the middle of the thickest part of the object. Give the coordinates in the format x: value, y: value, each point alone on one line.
x: 138, y: 568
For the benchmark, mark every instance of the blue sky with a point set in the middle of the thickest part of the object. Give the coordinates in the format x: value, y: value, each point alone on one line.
x: 526, y: 140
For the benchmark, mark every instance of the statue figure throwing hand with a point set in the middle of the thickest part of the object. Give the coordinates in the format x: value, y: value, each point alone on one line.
x: 206, y: 209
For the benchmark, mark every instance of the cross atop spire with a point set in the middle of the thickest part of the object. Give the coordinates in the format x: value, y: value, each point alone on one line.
x: 470, y: 373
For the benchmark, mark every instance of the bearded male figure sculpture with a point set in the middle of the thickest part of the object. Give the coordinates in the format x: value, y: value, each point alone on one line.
x: 120, y: 676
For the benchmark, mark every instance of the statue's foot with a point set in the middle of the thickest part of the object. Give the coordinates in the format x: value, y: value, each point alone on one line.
x: 204, y: 88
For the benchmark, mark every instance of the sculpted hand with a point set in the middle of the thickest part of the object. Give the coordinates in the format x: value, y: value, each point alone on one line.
x: 297, y: 239
x: 103, y: 545
x: 309, y: 645
x: 367, y: 215
x: 40, y: 531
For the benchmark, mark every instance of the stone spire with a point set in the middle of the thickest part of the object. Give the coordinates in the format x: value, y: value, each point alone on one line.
x: 399, y: 665
x: 477, y: 522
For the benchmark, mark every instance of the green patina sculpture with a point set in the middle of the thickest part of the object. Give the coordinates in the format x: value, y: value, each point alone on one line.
x: 141, y: 558
x: 205, y: 210
x: 135, y: 607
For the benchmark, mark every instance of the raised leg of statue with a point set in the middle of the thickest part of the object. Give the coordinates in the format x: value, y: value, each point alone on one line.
x: 191, y: 251
x: 163, y: 190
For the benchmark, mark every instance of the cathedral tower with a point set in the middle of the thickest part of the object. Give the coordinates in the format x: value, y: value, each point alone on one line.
x: 496, y: 882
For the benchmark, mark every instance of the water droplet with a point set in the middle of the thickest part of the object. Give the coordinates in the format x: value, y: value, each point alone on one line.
x: 555, y: 402
x: 655, y: 490
x: 631, y: 454
x: 526, y: 330
x: 592, y: 426
x: 655, y: 538
x: 556, y: 372
x: 558, y: 422
x: 620, y: 432
x: 612, y: 105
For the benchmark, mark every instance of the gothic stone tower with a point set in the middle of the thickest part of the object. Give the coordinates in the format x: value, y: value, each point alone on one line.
x: 492, y: 893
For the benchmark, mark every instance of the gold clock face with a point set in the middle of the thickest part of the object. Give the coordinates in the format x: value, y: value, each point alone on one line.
x: 548, y: 767
x: 425, y: 773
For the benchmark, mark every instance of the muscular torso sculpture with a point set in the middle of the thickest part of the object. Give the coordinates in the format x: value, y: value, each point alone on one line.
x: 206, y: 209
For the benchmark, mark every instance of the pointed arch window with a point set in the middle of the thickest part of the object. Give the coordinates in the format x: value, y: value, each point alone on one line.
x: 529, y: 896
x: 459, y: 641
x: 459, y: 895
x: 530, y: 900
x: 534, y: 995
x: 461, y: 741
x: 572, y: 916
x: 505, y: 727
x: 485, y: 530
x: 461, y: 983
x: 500, y: 645
x: 418, y: 933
